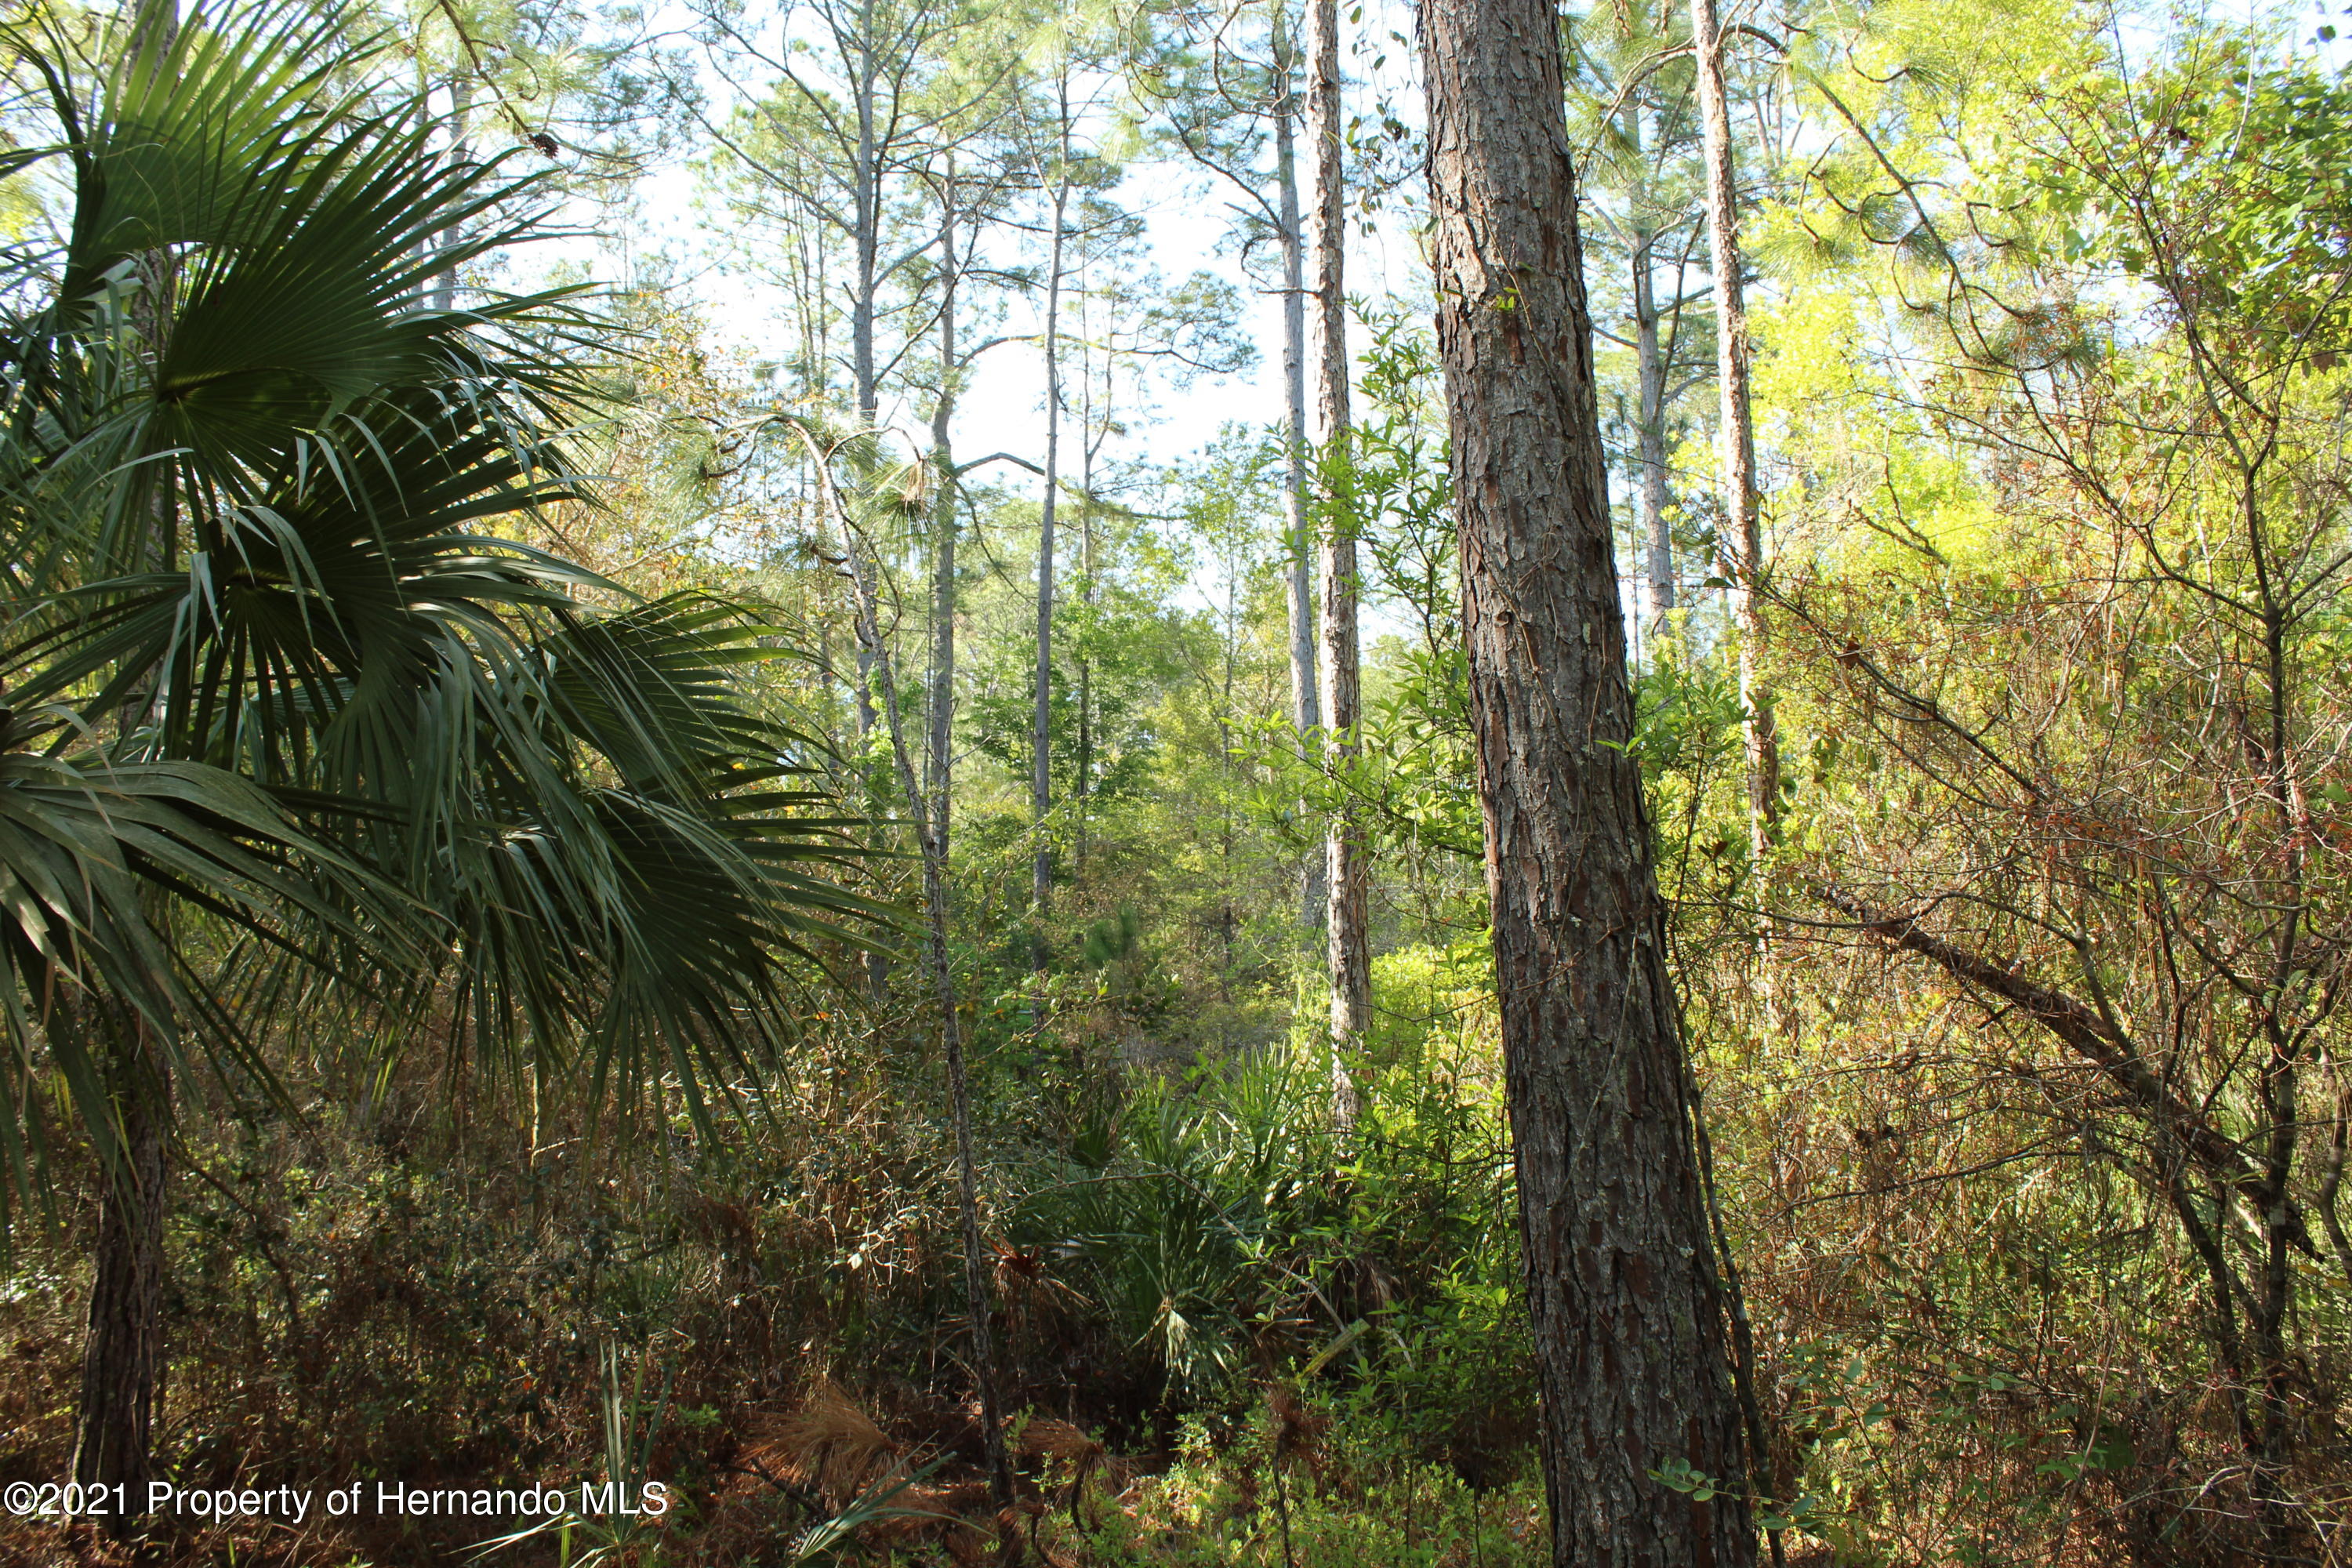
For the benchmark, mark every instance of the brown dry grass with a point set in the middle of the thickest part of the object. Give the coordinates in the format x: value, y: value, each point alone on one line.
x: 832, y: 1446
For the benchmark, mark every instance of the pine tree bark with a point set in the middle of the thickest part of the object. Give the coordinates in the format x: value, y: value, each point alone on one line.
x: 461, y: 153
x: 939, y: 727
x: 931, y: 842
x: 1346, y: 876
x: 1624, y: 1306
x: 866, y: 222
x: 1649, y: 389
x: 866, y: 197
x: 1041, y: 765
x: 1650, y: 435
x: 1743, y: 516
x: 865, y: 245
x: 1298, y: 532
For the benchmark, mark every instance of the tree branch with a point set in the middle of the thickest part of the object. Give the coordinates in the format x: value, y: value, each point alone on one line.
x: 2089, y: 1037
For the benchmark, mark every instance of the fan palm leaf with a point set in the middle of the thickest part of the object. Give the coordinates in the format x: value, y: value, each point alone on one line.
x: 262, y: 520
x: 90, y: 851
x: 265, y: 507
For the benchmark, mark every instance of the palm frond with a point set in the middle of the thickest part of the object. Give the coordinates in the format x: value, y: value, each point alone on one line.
x: 101, y: 862
x: 263, y: 512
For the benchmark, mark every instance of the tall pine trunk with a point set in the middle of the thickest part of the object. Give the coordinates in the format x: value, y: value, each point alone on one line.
x: 931, y: 842
x: 1624, y: 1306
x: 865, y: 223
x: 866, y: 192
x: 1082, y: 772
x: 866, y: 240
x: 1650, y: 435
x: 1650, y: 403
x: 1346, y: 873
x: 461, y: 153
x: 1650, y: 390
x: 940, y: 730
x: 1041, y: 765
x: 1306, y: 707
x: 1743, y: 518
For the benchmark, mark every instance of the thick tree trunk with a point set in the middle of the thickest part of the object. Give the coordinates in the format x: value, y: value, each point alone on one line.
x: 1346, y: 873
x: 1743, y: 517
x: 1625, y: 1310
x: 1305, y: 708
x: 122, y: 1350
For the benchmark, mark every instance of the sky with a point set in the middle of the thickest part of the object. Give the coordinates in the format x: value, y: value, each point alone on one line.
x: 1187, y: 226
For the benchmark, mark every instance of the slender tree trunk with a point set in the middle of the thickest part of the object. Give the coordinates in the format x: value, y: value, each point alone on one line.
x: 1347, y: 874
x: 1626, y: 1314
x: 1650, y: 418
x: 1650, y: 391
x: 1041, y: 765
x: 866, y: 199
x: 1651, y: 437
x: 939, y: 752
x: 1226, y: 921
x: 866, y: 196
x: 461, y: 153
x: 977, y: 1301
x: 931, y: 837
x: 1306, y: 709
x: 1743, y: 517
x: 1082, y: 780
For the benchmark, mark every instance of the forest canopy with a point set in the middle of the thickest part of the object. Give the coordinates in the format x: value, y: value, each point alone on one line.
x: 1141, y: 782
